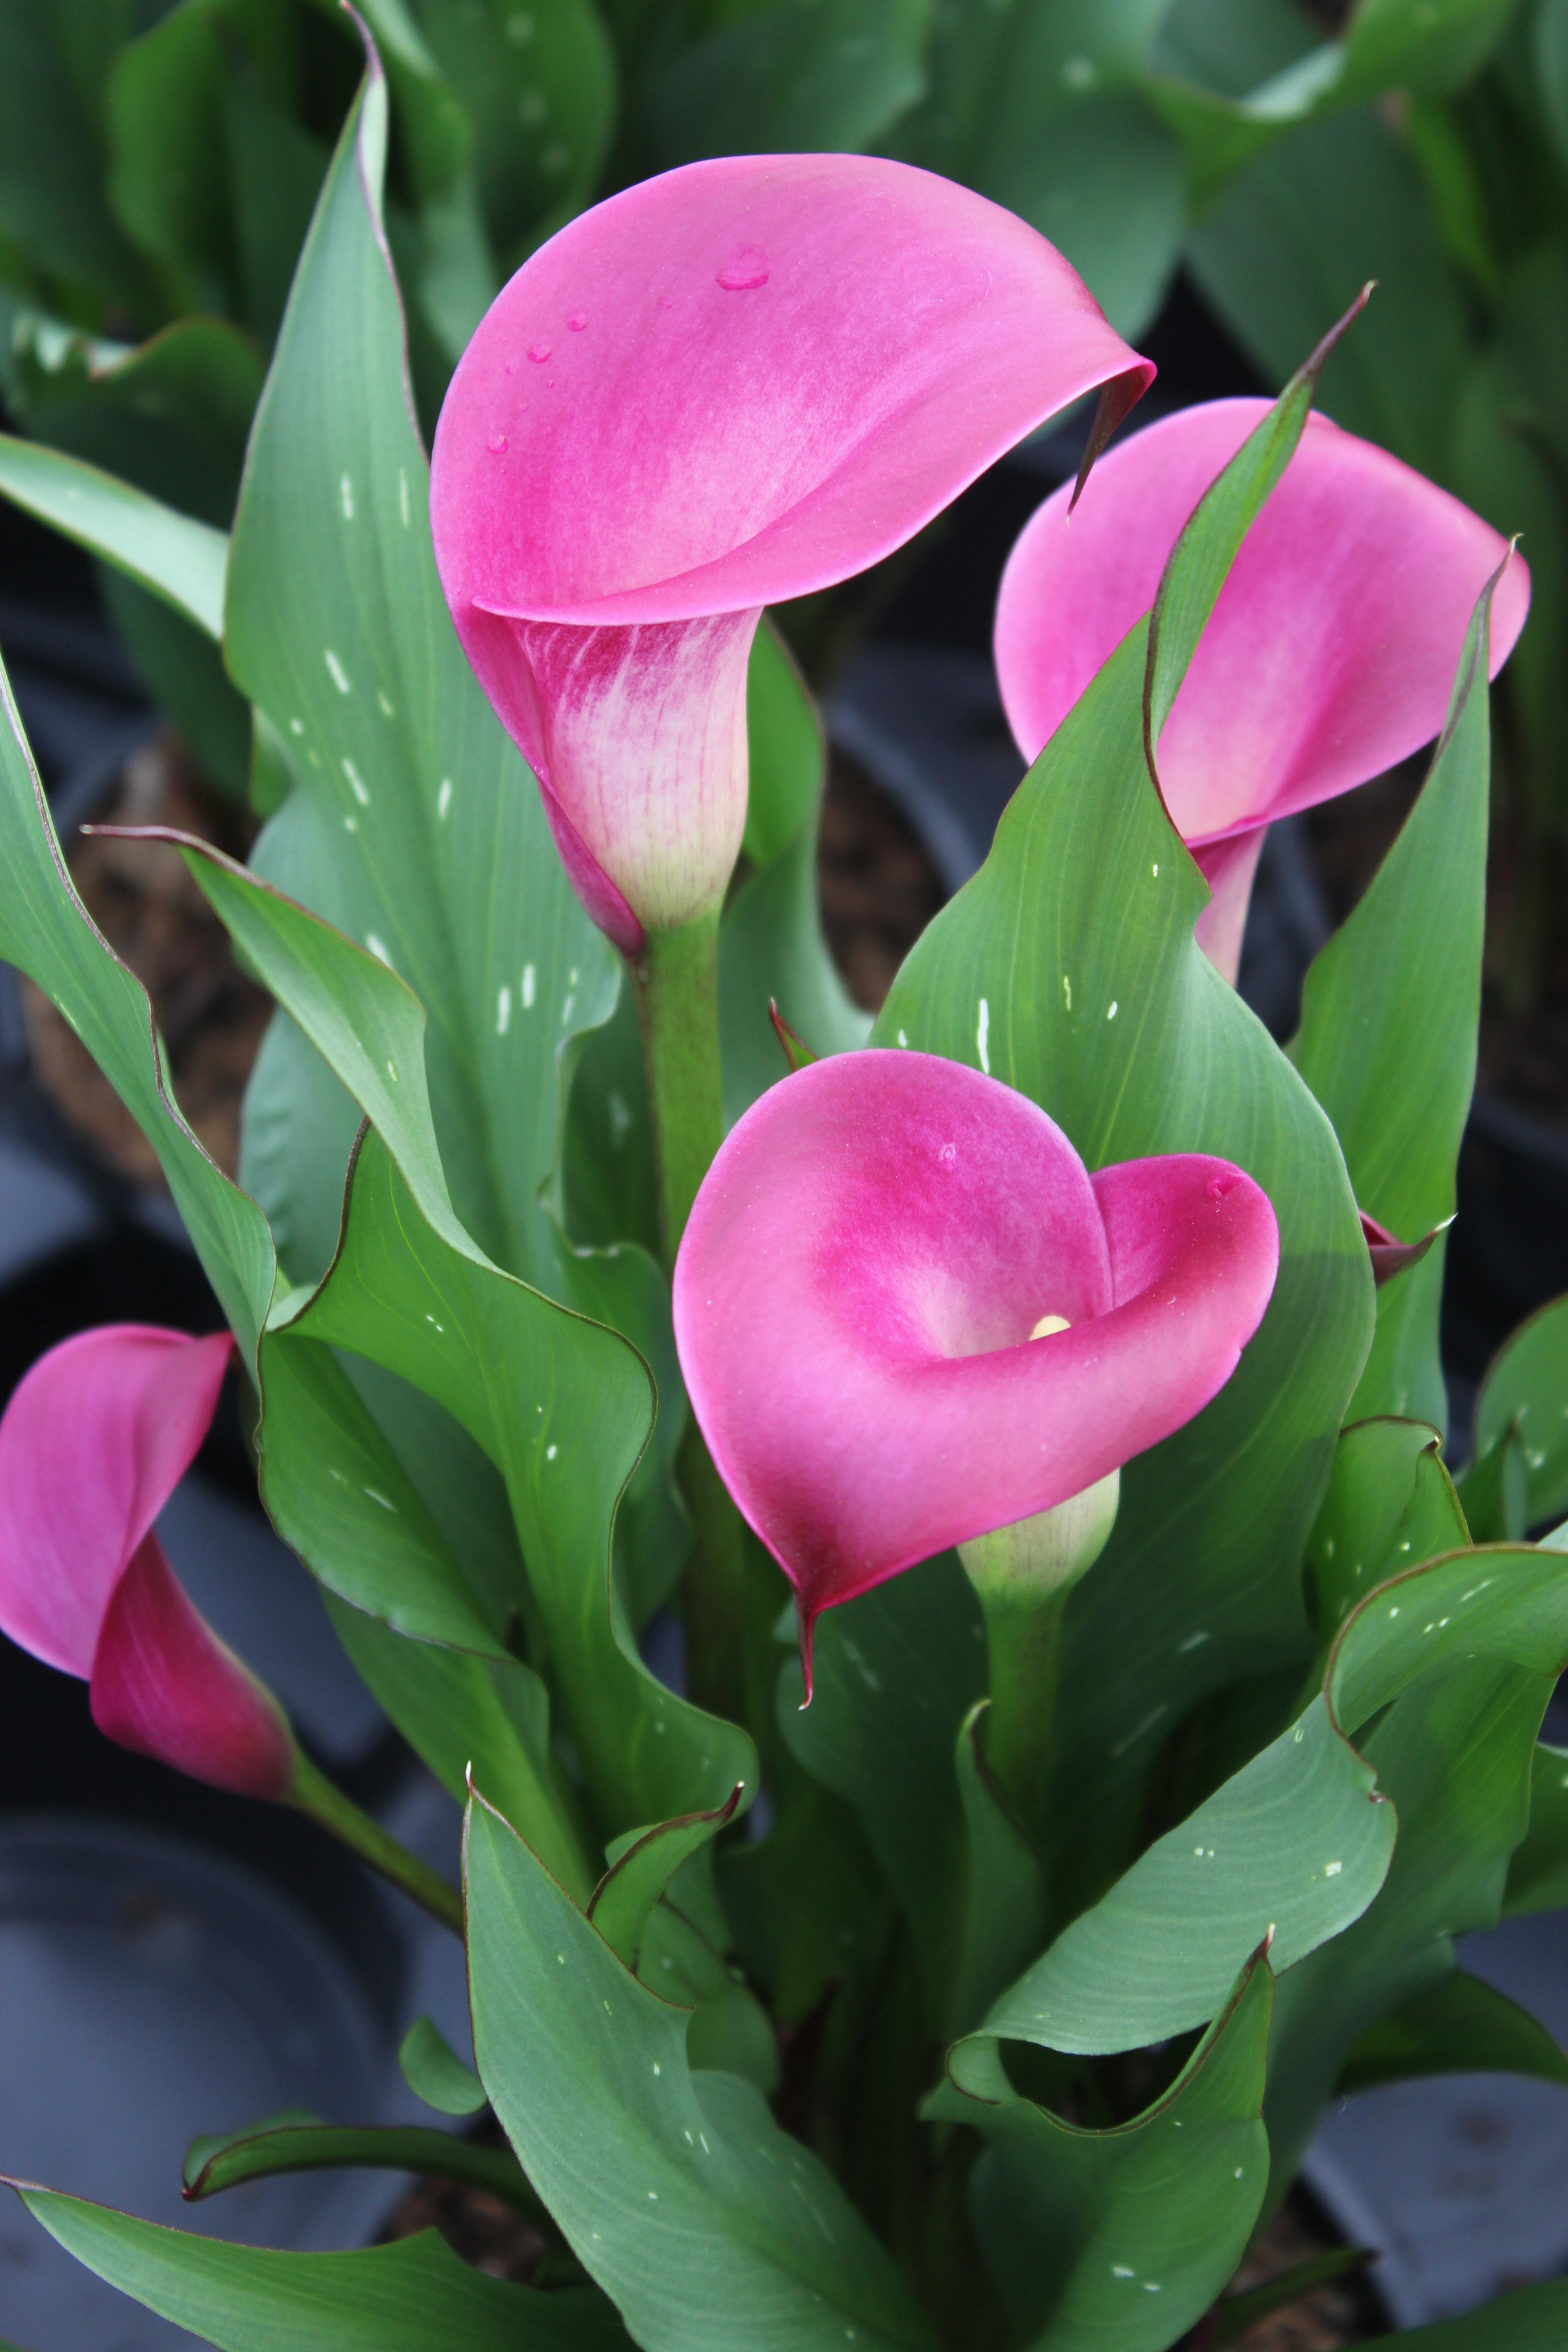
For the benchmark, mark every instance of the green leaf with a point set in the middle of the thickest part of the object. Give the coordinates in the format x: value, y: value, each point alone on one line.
x: 45, y: 932
x: 1449, y: 1667
x: 433, y: 120
x: 167, y: 179
x: 413, y: 2297
x: 1199, y: 563
x: 1538, y: 1866
x: 51, y: 180
x: 1292, y: 1847
x: 1004, y: 1895
x: 1387, y: 1040
x: 770, y: 948
x: 562, y: 1407
x: 895, y: 1674
x: 801, y: 74
x: 434, y: 2072
x: 786, y: 750
x: 463, y: 1714
x: 1068, y: 968
x: 1517, y: 1475
x: 676, y: 2191
x: 1038, y: 107
x: 179, y: 560
x: 539, y: 86
x: 1289, y: 246
x: 1390, y: 1505
x: 401, y: 768
x: 642, y: 1865
x: 1388, y: 45
x: 1123, y: 2236
x: 1532, y: 2319
x: 1551, y: 34
x: 284, y: 2144
x: 1463, y: 2026
x: 1296, y: 1844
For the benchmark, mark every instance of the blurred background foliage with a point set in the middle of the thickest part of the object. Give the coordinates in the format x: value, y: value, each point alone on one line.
x: 159, y: 164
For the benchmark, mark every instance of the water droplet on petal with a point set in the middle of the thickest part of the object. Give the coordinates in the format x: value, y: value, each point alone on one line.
x: 1218, y: 1186
x: 539, y: 352
x: 511, y: 367
x: 496, y: 445
x: 577, y: 322
x: 745, y: 272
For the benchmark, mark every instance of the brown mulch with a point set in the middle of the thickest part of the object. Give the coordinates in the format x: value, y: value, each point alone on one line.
x: 1344, y: 2311
x: 209, y: 1014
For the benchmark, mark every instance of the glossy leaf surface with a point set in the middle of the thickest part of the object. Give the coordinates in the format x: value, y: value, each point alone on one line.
x: 1518, y: 1477
x: 1463, y: 2026
x: 1123, y: 2236
x: 1387, y: 1040
x: 675, y: 2189
x: 413, y: 2297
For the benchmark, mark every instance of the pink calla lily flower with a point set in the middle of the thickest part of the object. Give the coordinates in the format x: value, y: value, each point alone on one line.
x: 93, y: 1444
x: 731, y: 385
x: 855, y: 1295
x: 1328, y: 657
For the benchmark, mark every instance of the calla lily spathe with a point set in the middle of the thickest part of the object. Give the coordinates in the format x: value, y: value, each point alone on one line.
x: 1328, y: 657
x: 854, y: 1297
x: 94, y: 1440
x: 731, y: 385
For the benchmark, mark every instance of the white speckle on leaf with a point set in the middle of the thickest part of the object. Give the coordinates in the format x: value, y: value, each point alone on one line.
x: 403, y: 495
x: 378, y: 949
x: 336, y: 672
x: 296, y: 726
x: 383, y: 1500
x: 356, y: 783
x: 387, y: 710
x: 1194, y: 1641
x: 503, y: 1011
x: 620, y: 1119
x: 444, y: 799
x: 1110, y: 1011
x: 1120, y: 2270
x: 981, y: 1031
x: 551, y: 1452
x: 346, y: 493
x: 567, y: 1011
x: 351, y: 824
x: 1067, y: 991
x: 1154, y: 870
x: 1332, y: 1869
x: 528, y: 988
x: 902, y: 1039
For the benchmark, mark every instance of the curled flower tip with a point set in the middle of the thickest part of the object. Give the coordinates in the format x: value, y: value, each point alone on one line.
x: 1328, y: 657
x: 857, y: 1296
x: 751, y: 378
x: 93, y: 1444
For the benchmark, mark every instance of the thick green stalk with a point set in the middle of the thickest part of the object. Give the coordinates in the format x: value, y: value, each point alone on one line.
x: 677, y: 982
x: 312, y: 1794
x: 1024, y: 1641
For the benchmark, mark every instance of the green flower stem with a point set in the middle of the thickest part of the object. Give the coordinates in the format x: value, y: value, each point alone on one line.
x: 677, y: 982
x: 312, y: 1794
x: 412, y: 2147
x: 1024, y: 1641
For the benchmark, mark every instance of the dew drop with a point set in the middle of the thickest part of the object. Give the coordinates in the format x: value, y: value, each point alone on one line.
x: 539, y: 352
x: 745, y: 272
x: 576, y: 322
x: 496, y: 445
x: 511, y: 367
